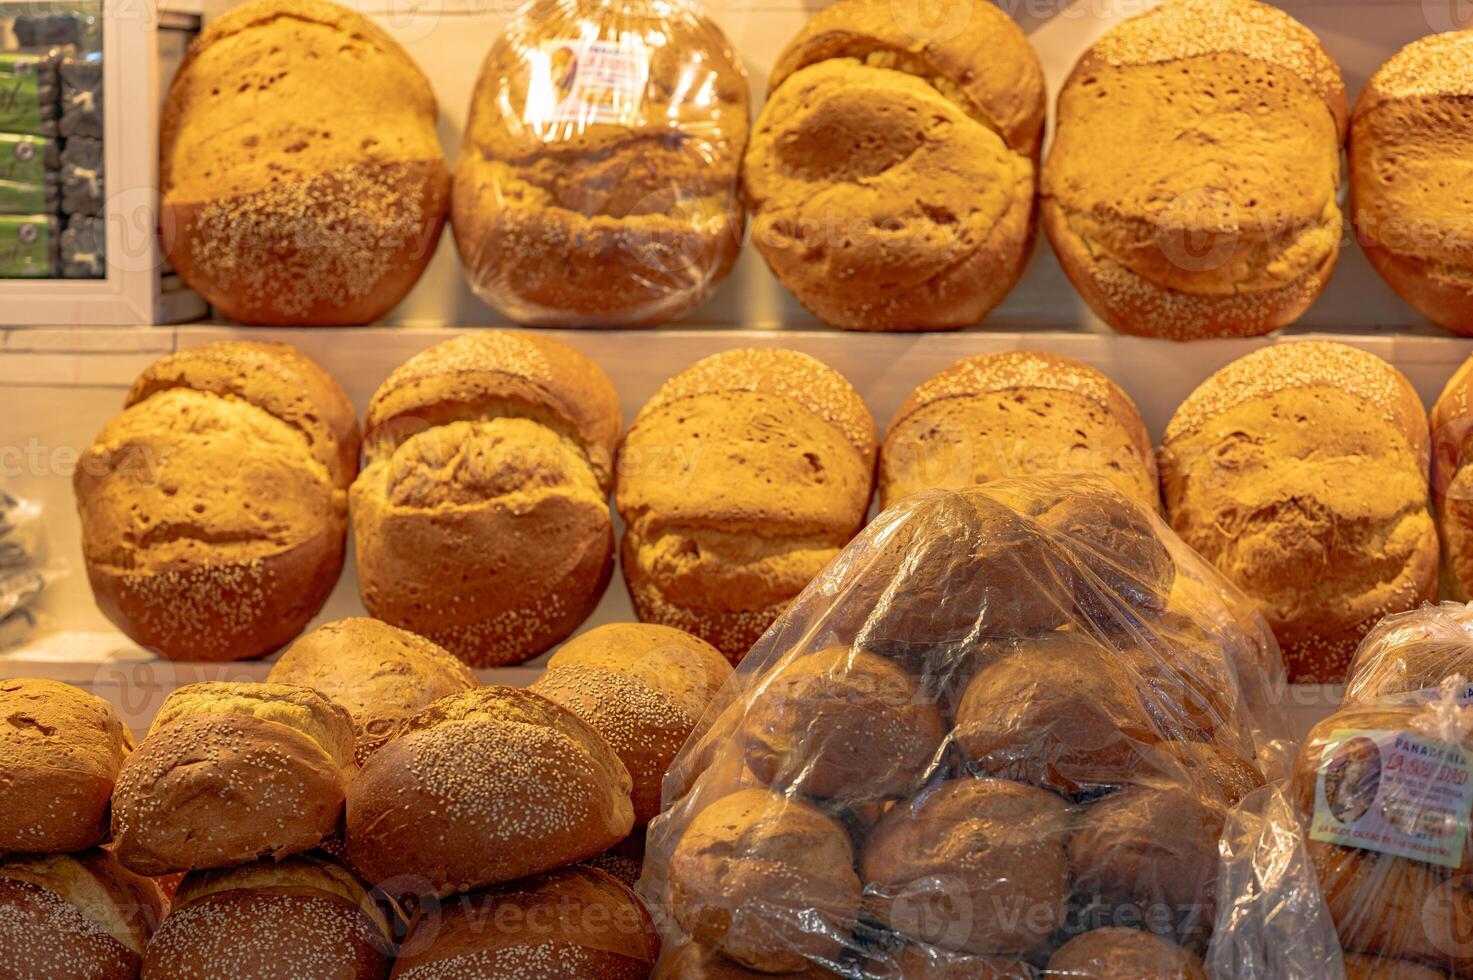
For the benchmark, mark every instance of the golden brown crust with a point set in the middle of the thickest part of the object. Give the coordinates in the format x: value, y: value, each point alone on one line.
x: 769, y: 857
x: 574, y: 924
x: 483, y: 787
x: 1307, y: 456
x: 323, y: 203
x: 379, y: 673
x: 1452, y: 500
x: 60, y: 753
x: 1124, y: 954
x: 1012, y: 414
x: 692, y: 961
x: 643, y: 687
x: 1373, y: 967
x: 264, y: 767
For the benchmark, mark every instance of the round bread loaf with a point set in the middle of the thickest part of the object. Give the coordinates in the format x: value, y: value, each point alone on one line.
x: 1410, y: 137
x: 1124, y: 954
x: 929, y: 963
x: 1412, y: 653
x: 1359, y: 967
x: 738, y: 482
x: 692, y: 961
x: 481, y: 519
x: 214, y: 508
x: 1190, y: 190
x: 891, y: 175
x: 302, y: 180
x: 1061, y: 712
x: 574, y: 924
x: 842, y: 724
x: 1452, y: 482
x: 623, y: 213
x: 483, y: 787
x: 766, y: 881
x: 60, y: 752
x: 1017, y: 413
x: 1301, y: 471
x: 971, y: 865
x: 379, y: 673
x: 74, y: 915
x: 642, y: 687
x: 232, y: 772
x: 301, y: 918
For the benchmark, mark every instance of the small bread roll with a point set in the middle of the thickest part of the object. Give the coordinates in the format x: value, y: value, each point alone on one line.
x: 380, y: 674
x: 1061, y: 712
x: 1123, y: 954
x: 643, y: 688
x: 574, y: 924
x: 1017, y: 413
x: 301, y: 918
x: 302, y: 180
x: 1300, y: 471
x: 483, y: 787
x: 891, y: 173
x: 230, y: 773
x: 692, y: 961
x: 1359, y: 967
x: 1452, y: 482
x: 1190, y: 189
x: 738, y: 482
x: 481, y: 519
x: 1409, y: 141
x: 842, y: 724
x: 214, y: 508
x: 929, y: 963
x: 766, y: 881
x: 60, y: 752
x: 1414, y: 652
x: 600, y: 220
x: 74, y: 915
x: 971, y: 865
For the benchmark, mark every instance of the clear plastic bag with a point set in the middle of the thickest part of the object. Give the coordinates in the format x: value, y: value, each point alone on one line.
x: 1004, y: 726
x: 597, y: 181
x: 1407, y: 655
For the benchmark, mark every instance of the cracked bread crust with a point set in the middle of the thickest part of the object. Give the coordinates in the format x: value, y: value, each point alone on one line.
x: 1452, y: 481
x: 1301, y: 472
x: 891, y: 180
x: 214, y: 508
x: 1218, y: 216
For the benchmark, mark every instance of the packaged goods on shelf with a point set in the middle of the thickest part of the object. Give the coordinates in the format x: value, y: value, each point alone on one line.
x: 23, y: 197
x: 84, y: 248
x: 81, y: 97
x: 55, y: 29
x: 29, y: 246
x: 27, y: 158
x: 1018, y: 664
x: 81, y: 176
x: 29, y: 90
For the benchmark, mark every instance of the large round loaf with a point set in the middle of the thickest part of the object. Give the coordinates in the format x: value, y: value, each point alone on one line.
x: 1410, y: 138
x: 74, y: 915
x: 1017, y: 413
x: 231, y: 772
x: 574, y: 924
x: 379, y: 673
x: 738, y: 481
x: 891, y: 174
x: 481, y: 519
x: 301, y: 918
x: 302, y: 180
x: 1452, y: 481
x: 484, y: 787
x: 60, y: 752
x: 1190, y: 188
x: 1123, y: 954
x: 214, y: 508
x: 623, y: 213
x: 644, y: 688
x: 1301, y: 471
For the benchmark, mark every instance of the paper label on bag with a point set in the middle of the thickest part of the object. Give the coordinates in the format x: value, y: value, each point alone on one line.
x: 587, y: 82
x: 1395, y: 792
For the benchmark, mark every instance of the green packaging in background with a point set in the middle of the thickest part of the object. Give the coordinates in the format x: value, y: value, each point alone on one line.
x: 24, y: 157
x: 28, y: 246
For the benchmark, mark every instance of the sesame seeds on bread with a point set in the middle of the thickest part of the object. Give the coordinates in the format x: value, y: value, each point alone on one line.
x: 484, y: 787
x: 1301, y: 472
x: 738, y: 481
x: 1410, y: 138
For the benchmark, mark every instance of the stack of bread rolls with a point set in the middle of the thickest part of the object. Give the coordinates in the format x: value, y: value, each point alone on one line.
x: 892, y: 173
x: 1301, y: 471
x: 738, y: 481
x: 67, y: 907
x: 214, y: 509
x: 986, y: 740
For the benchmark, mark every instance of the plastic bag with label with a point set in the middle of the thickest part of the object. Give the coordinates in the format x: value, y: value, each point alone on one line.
x: 1000, y: 733
x: 597, y: 181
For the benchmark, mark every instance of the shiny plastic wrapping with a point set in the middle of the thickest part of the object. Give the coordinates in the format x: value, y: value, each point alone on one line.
x: 597, y: 180
x: 1362, y: 859
x: 999, y: 733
